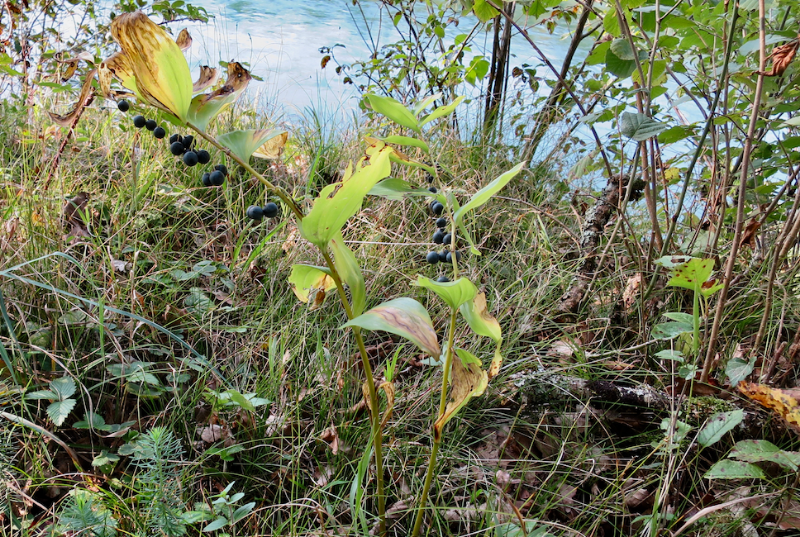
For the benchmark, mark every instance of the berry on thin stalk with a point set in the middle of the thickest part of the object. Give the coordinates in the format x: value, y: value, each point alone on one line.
x: 123, y: 105
x: 177, y: 149
x: 432, y: 258
x: 203, y: 157
x: 254, y: 212
x: 190, y: 158
x: 159, y: 133
x: 151, y: 124
x: 139, y: 121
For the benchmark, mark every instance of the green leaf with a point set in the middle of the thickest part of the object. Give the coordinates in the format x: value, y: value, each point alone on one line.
x: 484, y: 11
x: 671, y: 330
x: 217, y: 524
x: 694, y: 275
x: 737, y: 369
x: 442, y: 111
x: 467, y: 357
x: 240, y: 400
x: 765, y: 451
x: 338, y: 202
x: 94, y: 421
x: 728, y: 469
x: 404, y: 317
x: 41, y: 394
x: 394, y: 189
x: 718, y: 425
x: 484, y: 194
x: 104, y: 459
x: 350, y: 273
x: 454, y: 293
x: 480, y: 320
x: 394, y: 110
x: 244, y: 143
x: 59, y: 410
x: 622, y: 49
x: 406, y: 140
x: 242, y: 512
x: 307, y: 278
x: 63, y: 387
x: 680, y: 317
x: 639, y: 127
x: 420, y: 106
x: 611, y: 23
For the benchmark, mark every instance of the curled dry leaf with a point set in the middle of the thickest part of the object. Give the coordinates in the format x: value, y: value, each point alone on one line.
x: 749, y: 234
x: 184, y: 39
x: 206, y: 106
x: 208, y: 77
x: 782, y: 56
x: 331, y: 437
x: 214, y: 433
x: 85, y: 98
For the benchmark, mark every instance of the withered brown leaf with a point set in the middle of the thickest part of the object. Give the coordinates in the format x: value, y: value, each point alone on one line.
x: 782, y: 56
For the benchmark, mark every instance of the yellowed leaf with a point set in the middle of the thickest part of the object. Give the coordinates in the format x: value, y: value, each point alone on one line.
x: 272, y: 148
x: 466, y: 382
x: 161, y: 74
x: 388, y: 389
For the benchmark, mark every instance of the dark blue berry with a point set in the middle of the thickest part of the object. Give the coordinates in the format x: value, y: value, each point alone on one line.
x: 151, y: 124
x: 217, y: 179
x: 159, y: 133
x: 443, y: 256
x: 437, y: 208
x: 438, y: 236
x: 270, y: 210
x: 449, y: 258
x: 176, y: 149
x: 123, y: 105
x: 203, y: 157
x: 441, y: 222
x: 221, y: 168
x: 207, y: 179
x: 254, y: 212
x: 448, y: 238
x: 175, y: 138
x: 139, y: 121
x: 442, y: 279
x: 187, y: 141
x: 190, y: 158
x: 432, y: 258
x: 433, y: 189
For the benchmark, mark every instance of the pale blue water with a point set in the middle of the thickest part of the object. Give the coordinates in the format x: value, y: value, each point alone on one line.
x: 280, y: 39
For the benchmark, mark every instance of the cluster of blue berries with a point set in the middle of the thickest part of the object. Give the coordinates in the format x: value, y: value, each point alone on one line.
x: 181, y: 146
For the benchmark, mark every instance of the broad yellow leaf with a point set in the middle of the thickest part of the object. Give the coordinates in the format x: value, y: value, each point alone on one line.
x: 116, y: 66
x: 160, y: 71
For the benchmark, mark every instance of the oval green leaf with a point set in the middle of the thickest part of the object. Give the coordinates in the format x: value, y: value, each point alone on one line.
x: 404, y: 317
x: 484, y: 194
x: 394, y: 110
x: 453, y: 293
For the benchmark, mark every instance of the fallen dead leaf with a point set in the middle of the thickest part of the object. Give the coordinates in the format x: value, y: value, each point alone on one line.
x: 331, y: 437
x: 214, y: 433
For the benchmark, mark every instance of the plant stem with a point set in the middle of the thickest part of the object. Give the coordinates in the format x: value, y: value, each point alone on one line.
x: 696, y: 318
x: 375, y: 423
x: 377, y: 432
x: 437, y: 438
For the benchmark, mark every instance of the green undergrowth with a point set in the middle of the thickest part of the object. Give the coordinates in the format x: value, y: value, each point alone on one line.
x: 194, y: 366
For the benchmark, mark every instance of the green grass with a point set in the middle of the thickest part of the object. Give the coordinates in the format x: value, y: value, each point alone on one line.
x: 185, y: 259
